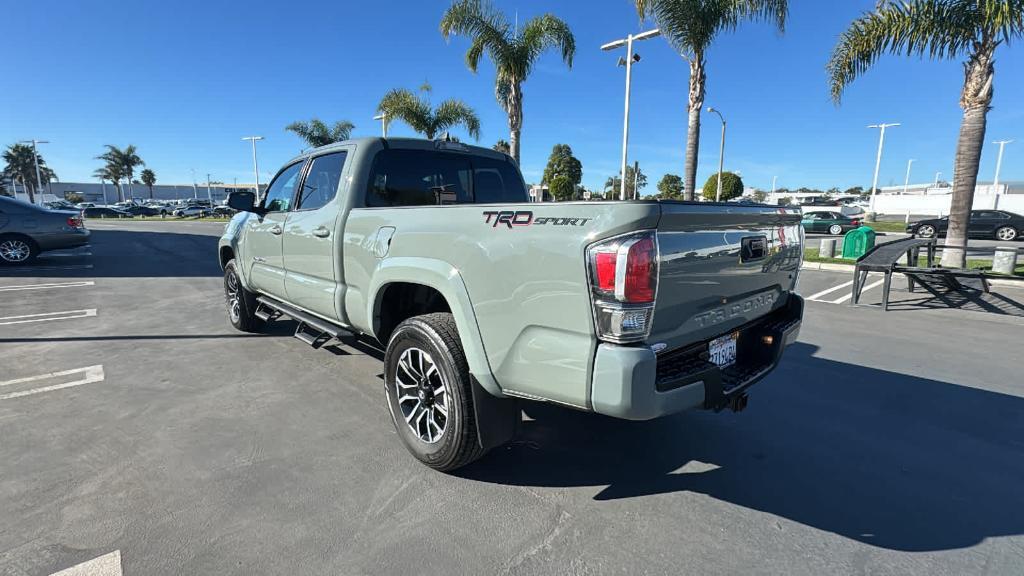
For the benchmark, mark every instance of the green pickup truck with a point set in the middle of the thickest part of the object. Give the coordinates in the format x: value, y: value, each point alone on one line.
x: 482, y: 299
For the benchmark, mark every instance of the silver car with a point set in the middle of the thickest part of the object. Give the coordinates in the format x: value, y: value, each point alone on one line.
x: 27, y: 230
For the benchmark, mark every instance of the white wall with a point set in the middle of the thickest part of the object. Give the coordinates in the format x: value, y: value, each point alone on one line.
x: 888, y: 204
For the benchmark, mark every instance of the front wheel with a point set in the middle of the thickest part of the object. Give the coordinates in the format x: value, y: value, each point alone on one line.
x: 926, y: 231
x: 428, y: 389
x: 835, y: 229
x: 240, y: 302
x: 17, y: 250
x: 1006, y: 234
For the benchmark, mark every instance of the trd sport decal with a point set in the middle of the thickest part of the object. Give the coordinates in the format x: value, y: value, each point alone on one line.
x: 525, y: 218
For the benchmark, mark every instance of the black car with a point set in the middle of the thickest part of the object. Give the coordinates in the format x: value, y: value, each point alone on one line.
x: 997, y: 224
x: 105, y: 212
x: 136, y: 210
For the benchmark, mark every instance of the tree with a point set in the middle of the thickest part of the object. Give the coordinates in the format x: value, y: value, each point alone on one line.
x: 854, y: 191
x: 74, y: 197
x: 691, y: 26
x: 316, y: 133
x: 20, y: 164
x: 149, y: 179
x: 759, y: 196
x: 732, y: 186
x: 939, y: 29
x: 563, y: 163
x: 562, y: 188
x: 513, y: 50
x: 114, y: 173
x: 120, y: 162
x: 417, y: 112
x: 670, y: 187
x: 501, y: 146
x: 612, y: 184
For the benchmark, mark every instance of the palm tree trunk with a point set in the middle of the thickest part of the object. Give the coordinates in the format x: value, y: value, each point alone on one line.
x: 30, y: 190
x: 515, y: 120
x: 694, y: 106
x: 975, y: 100
x: 150, y: 192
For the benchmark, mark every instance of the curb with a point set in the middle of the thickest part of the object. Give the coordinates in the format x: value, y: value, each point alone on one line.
x: 850, y: 268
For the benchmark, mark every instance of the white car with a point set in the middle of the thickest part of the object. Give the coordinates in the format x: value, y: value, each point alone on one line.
x: 191, y: 211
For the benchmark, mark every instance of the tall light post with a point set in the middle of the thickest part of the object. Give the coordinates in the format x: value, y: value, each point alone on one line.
x: 383, y: 123
x: 937, y: 176
x: 906, y: 181
x: 774, y: 179
x: 195, y: 190
x: 628, y: 63
x: 209, y: 195
x: 255, y: 166
x: 721, y: 154
x: 35, y: 158
x: 878, y: 160
x: 999, y: 162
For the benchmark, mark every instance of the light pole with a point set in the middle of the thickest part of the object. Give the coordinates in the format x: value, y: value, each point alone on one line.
x: 195, y: 191
x: 878, y: 160
x: 35, y: 158
x: 383, y: 123
x: 209, y: 195
x: 255, y: 166
x: 906, y: 181
x: 999, y: 162
x: 721, y: 154
x: 628, y: 63
x: 937, y: 176
x: 774, y: 179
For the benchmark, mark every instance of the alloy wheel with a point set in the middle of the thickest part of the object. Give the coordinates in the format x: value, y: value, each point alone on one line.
x: 1006, y: 233
x: 15, y: 250
x: 234, y: 296
x: 926, y: 231
x: 423, y: 395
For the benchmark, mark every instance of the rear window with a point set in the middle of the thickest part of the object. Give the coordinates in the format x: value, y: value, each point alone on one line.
x: 432, y: 177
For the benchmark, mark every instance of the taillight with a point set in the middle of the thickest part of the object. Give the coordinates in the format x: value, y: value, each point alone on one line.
x: 76, y: 222
x: 624, y: 283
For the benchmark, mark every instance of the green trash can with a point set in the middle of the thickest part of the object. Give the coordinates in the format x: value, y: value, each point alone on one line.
x: 857, y: 242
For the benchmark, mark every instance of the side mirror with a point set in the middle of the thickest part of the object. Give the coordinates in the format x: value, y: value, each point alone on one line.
x: 243, y: 201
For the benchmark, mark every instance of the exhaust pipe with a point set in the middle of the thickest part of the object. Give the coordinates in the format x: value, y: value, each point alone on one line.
x: 739, y: 403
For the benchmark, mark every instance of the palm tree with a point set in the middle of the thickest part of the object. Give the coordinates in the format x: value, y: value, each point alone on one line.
x: 114, y: 173
x: 316, y: 133
x: 21, y: 165
x: 121, y: 162
x: 690, y: 26
x: 968, y: 29
x: 502, y: 146
x: 149, y: 179
x: 417, y: 112
x: 513, y: 51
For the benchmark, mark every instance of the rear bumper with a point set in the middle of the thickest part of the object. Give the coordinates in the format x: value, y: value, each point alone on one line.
x: 635, y: 384
x: 60, y: 240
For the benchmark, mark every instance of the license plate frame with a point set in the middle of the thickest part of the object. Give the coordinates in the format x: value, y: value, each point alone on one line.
x: 722, y: 350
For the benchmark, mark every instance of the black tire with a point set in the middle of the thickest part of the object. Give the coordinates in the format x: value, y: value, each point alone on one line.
x: 925, y: 231
x: 16, y: 249
x: 457, y: 444
x: 244, y: 318
x: 1006, y: 233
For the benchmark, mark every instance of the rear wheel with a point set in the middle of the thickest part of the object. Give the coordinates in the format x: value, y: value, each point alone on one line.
x: 16, y: 249
x: 240, y: 302
x: 1006, y: 233
x: 428, y: 389
x: 926, y: 231
x: 835, y: 229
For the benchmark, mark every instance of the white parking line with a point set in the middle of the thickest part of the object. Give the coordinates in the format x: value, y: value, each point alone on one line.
x: 106, y: 565
x: 830, y: 290
x: 35, y: 268
x: 89, y: 375
x: 68, y: 255
x: 866, y: 288
x: 45, y: 286
x: 47, y: 316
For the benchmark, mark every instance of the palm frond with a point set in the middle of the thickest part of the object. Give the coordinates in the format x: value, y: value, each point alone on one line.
x: 690, y: 26
x: 454, y: 112
x: 545, y: 32
x: 486, y: 26
x: 404, y: 105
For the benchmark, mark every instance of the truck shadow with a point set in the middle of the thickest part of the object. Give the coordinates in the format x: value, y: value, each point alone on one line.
x: 888, y: 459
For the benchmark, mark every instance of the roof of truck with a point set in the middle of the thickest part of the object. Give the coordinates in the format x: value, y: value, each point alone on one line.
x: 407, y: 144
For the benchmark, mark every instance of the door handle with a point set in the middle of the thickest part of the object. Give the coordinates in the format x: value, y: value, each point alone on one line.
x: 321, y: 232
x: 276, y: 230
x: 258, y: 259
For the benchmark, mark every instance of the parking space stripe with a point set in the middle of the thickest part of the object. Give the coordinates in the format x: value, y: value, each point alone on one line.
x: 45, y: 286
x: 47, y: 316
x: 866, y: 288
x: 830, y: 290
x: 106, y: 565
x: 89, y: 374
x: 37, y: 268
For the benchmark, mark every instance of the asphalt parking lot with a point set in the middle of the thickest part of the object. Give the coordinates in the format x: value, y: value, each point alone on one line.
x: 136, y: 423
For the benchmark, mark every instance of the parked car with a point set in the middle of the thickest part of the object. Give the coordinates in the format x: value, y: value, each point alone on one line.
x: 998, y: 224
x: 224, y: 211
x: 105, y: 212
x: 193, y: 210
x: 27, y: 230
x: 828, y: 222
x: 82, y: 205
x: 137, y: 210
x: 632, y: 309
x: 59, y: 205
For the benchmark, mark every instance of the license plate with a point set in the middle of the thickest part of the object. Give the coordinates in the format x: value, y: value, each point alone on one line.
x: 722, y: 351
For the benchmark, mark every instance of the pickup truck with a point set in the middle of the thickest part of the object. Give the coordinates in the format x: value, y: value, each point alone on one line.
x: 482, y: 299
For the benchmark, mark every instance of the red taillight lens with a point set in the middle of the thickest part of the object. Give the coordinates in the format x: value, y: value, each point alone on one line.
x: 855, y: 222
x: 641, y: 272
x: 604, y: 270
x: 75, y: 222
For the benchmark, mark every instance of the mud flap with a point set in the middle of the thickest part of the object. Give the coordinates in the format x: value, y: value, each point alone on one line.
x: 497, y: 418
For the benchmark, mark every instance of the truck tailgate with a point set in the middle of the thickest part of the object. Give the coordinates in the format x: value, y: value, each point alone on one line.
x: 721, y: 266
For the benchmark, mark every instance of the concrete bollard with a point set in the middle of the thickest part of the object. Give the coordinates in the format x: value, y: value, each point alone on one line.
x: 828, y: 248
x: 1005, y: 260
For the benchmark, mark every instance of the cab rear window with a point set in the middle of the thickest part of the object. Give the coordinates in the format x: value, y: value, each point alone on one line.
x: 432, y: 177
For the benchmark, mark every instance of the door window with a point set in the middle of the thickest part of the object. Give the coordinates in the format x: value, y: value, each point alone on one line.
x: 282, y: 189
x: 430, y: 177
x: 321, y: 184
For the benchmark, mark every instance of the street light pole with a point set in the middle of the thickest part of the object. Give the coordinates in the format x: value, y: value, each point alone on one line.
x: 209, y: 195
x: 383, y: 123
x: 35, y: 158
x: 721, y: 155
x: 628, y: 61
x: 999, y: 162
x: 906, y: 181
x: 774, y: 179
x: 255, y: 166
x: 878, y: 160
x: 195, y: 191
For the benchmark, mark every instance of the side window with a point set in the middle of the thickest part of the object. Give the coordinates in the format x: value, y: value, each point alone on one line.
x: 496, y: 181
x: 282, y: 189
x: 321, y: 184
x: 419, y: 178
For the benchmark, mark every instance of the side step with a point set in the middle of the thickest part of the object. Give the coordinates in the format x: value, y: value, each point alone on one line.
x: 311, y: 330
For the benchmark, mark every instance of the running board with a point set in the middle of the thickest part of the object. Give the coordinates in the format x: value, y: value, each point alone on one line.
x: 311, y: 330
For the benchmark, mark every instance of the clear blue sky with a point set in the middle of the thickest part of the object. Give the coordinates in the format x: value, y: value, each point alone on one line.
x: 184, y: 81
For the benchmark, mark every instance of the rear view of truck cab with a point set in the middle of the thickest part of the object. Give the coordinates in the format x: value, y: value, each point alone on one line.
x: 692, y: 314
